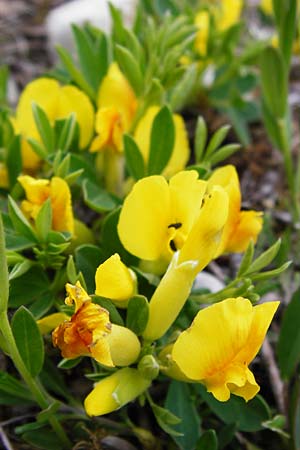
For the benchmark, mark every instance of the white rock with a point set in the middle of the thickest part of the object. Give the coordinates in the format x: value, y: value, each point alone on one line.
x: 205, y: 280
x: 96, y: 12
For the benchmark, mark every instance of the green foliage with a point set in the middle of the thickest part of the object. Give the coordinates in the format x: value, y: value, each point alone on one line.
x: 178, y: 401
x: 29, y: 340
x: 288, y: 348
x: 161, y: 141
x: 134, y: 159
x: 137, y: 314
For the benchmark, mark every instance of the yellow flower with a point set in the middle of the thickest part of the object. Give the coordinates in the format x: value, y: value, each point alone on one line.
x: 117, y: 105
x: 89, y: 332
x: 225, y: 14
x: 38, y: 191
x: 229, y: 13
x: 198, y: 250
x: 157, y: 216
x: 115, y: 281
x: 58, y: 102
x: 181, y: 151
x: 4, y: 181
x: 241, y: 226
x: 220, y: 344
x: 115, y: 391
x: 202, y: 21
x: 267, y: 6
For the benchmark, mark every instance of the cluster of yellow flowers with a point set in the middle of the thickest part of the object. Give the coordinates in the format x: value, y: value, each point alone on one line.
x: 175, y: 223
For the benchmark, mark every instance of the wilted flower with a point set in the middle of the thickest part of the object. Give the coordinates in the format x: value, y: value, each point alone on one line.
x: 220, y: 344
x: 241, y: 226
x: 89, y: 333
x: 57, y: 190
x: 58, y: 102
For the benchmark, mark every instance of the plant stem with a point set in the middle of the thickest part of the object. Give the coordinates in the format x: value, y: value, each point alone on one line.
x: 288, y: 164
x: 11, y: 346
x: 32, y: 384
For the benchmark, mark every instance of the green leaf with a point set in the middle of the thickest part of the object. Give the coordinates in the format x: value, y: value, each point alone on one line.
x: 87, y: 59
x: 47, y: 413
x: 14, y: 388
x: 37, y: 286
x: 277, y: 425
x: 44, y: 127
x: 110, y: 239
x: 288, y: 348
x: 246, y: 260
x: 134, y: 159
x: 200, y: 138
x: 224, y: 153
x: 286, y: 18
x: 14, y: 160
x: 87, y: 259
x: 137, y: 314
x: 4, y: 74
x: 28, y: 340
x: 130, y: 67
x: 161, y: 142
x: 42, y: 305
x: 247, y: 416
x: 19, y: 221
x: 264, y: 259
x: 216, y: 139
x: 165, y: 419
x: 19, y: 269
x: 97, y: 198
x: 179, y: 402
x: 274, y: 81
x: 67, y: 133
x: 43, y: 221
x: 113, y: 312
x: 69, y: 363
x: 208, y: 441
x: 74, y: 73
x: 184, y: 88
x: 271, y: 273
x: 42, y: 438
x: 38, y: 148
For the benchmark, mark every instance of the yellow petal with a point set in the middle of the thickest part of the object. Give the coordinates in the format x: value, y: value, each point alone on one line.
x: 76, y: 295
x: 262, y: 317
x: 48, y: 323
x: 204, y: 238
x: 109, y: 126
x: 62, y: 212
x: 116, y: 92
x: 144, y: 218
x: 202, y: 23
x: 227, y: 178
x: 4, y: 181
x: 216, y: 336
x: 70, y: 100
x: 115, y: 391
x: 114, y: 280
x: 43, y: 91
x: 248, y: 227
x: 186, y: 192
x: 37, y: 191
x: 221, y: 342
x: 124, y: 345
x: 181, y: 151
x: 100, y: 351
x: 230, y: 12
